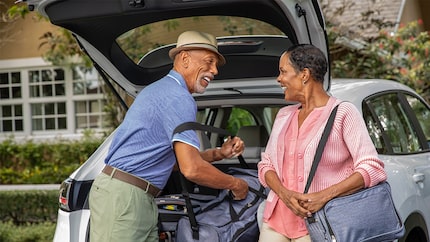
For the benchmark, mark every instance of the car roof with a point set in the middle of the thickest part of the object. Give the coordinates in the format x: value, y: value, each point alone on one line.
x: 98, y: 24
x: 355, y: 89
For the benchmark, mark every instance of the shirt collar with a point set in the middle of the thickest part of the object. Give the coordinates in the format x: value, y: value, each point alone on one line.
x: 178, y: 78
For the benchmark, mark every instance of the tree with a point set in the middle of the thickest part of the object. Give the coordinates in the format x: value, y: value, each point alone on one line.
x: 8, y: 17
x: 355, y: 53
x: 402, y: 56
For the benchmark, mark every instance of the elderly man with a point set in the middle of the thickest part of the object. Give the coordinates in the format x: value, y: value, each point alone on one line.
x: 142, y: 154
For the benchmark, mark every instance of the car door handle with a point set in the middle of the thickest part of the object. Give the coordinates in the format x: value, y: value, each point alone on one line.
x: 418, y: 177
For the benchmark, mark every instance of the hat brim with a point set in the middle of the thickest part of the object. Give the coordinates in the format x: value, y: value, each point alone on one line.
x: 173, y: 52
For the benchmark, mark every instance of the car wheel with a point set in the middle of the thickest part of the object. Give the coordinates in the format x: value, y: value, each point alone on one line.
x: 416, y: 231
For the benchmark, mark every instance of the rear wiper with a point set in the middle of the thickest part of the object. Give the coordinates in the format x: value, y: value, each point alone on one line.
x: 233, y: 90
x: 301, y: 12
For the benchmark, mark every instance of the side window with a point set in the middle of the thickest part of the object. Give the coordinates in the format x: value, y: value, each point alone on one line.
x: 203, y: 115
x: 374, y: 131
x: 395, y: 125
x: 269, y: 115
x: 422, y: 113
x: 239, y: 117
x: 252, y: 123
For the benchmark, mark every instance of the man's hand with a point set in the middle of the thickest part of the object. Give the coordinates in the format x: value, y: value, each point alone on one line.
x: 232, y: 147
x: 240, y: 190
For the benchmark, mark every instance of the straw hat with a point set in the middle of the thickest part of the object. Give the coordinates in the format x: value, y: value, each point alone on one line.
x: 191, y: 40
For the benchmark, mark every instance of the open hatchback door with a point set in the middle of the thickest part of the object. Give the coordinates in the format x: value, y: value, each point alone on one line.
x: 129, y: 39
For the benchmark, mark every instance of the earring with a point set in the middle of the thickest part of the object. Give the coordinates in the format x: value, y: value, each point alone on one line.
x: 304, y: 82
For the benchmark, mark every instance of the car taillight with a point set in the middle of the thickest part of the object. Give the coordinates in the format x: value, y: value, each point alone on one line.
x: 63, y: 201
x: 64, y: 196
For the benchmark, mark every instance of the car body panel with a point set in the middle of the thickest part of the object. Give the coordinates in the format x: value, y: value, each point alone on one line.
x: 72, y: 226
x: 410, y: 197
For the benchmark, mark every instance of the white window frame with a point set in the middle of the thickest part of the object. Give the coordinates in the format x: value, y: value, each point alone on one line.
x: 30, y: 64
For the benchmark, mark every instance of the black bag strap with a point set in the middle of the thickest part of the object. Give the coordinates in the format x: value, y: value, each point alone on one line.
x: 320, y: 147
x: 198, y: 126
x: 193, y: 222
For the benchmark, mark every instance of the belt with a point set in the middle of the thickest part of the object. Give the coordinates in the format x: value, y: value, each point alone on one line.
x: 131, y: 179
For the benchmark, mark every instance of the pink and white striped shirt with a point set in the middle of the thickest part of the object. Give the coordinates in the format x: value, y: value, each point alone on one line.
x: 290, y: 152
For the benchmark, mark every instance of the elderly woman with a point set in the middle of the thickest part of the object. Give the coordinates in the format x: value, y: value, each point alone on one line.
x: 349, y: 161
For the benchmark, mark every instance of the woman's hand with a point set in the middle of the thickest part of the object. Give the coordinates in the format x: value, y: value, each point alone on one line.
x: 314, y: 201
x: 294, y: 201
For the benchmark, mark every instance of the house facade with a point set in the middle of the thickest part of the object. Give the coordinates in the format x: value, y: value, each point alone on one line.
x: 40, y: 101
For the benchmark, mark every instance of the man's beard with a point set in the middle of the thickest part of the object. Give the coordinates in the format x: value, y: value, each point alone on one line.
x: 198, y: 87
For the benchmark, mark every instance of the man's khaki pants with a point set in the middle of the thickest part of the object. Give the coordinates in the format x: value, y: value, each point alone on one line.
x: 121, y: 212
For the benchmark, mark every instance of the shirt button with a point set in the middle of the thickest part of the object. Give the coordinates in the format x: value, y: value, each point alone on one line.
x: 300, y: 178
x: 300, y: 155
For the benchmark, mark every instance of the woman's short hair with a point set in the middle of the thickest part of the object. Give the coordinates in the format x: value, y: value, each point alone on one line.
x: 308, y: 56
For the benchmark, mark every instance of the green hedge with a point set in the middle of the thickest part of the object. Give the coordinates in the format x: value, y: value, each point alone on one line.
x: 30, y: 216
x: 43, y: 163
x: 24, y: 207
x: 43, y: 232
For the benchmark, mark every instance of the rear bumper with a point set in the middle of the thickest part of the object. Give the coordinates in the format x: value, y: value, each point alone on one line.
x: 72, y: 226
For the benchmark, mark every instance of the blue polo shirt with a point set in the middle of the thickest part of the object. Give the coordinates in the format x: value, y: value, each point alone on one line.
x: 142, y: 144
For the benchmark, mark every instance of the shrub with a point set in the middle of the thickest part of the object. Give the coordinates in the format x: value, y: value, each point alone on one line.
x: 42, y: 232
x: 48, y: 162
x: 401, y: 56
x: 23, y: 207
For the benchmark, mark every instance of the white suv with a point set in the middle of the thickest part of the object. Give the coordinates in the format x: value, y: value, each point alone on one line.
x: 245, y: 96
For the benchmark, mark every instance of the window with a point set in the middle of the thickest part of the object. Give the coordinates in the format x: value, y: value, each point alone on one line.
x: 137, y: 42
x: 89, y: 114
x: 47, y: 83
x: 10, y: 85
x: 48, y: 116
x: 252, y: 123
x: 269, y: 115
x: 37, y: 102
x: 374, y: 131
x: 396, y: 126
x: 422, y: 113
x: 85, y: 81
x: 11, y: 118
x: 239, y: 117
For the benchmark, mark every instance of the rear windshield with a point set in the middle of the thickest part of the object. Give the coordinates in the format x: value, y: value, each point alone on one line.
x: 139, y: 41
